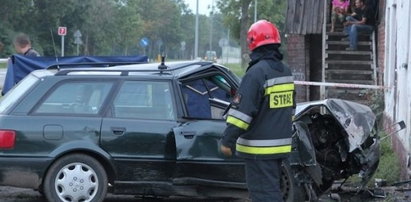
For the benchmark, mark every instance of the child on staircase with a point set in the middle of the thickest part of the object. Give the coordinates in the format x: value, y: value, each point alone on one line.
x: 339, y: 10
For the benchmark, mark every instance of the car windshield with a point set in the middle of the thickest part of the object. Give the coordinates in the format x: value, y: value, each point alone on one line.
x: 211, y: 54
x: 17, y: 92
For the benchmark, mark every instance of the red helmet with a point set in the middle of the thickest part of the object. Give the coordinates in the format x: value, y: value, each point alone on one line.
x: 261, y: 33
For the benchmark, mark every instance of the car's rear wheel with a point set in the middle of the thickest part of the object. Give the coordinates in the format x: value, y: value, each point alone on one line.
x: 289, y: 187
x: 76, y: 177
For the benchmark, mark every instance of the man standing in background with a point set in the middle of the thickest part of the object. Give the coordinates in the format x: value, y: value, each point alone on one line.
x: 22, y: 45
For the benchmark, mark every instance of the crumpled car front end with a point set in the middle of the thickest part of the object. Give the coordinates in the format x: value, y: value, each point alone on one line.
x: 334, y: 139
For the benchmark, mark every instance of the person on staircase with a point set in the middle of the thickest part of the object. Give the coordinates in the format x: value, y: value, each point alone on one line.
x: 362, y: 20
x: 339, y: 11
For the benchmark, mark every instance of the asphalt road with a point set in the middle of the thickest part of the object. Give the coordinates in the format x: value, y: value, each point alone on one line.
x: 397, y: 194
x: 12, y: 194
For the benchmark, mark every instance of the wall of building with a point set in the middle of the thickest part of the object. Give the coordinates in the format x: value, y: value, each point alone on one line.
x: 380, y: 53
x: 315, y: 70
x: 299, y: 60
x: 381, y: 42
x: 396, y: 73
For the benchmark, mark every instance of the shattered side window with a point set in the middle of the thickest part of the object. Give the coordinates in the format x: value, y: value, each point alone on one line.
x: 197, y: 94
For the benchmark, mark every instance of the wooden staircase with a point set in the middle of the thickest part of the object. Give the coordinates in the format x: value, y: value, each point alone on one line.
x: 352, y: 67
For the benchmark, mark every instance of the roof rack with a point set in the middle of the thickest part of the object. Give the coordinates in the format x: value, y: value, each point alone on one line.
x: 124, y: 72
x: 201, y: 63
x: 94, y: 64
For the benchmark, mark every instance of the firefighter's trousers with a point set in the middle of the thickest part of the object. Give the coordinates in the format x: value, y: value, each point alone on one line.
x: 263, y: 179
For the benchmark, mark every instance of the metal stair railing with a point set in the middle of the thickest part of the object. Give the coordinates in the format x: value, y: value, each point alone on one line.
x: 324, y: 46
x: 374, y: 58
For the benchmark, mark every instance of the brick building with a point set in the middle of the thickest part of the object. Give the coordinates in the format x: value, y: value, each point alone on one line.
x: 316, y: 54
x: 385, y: 55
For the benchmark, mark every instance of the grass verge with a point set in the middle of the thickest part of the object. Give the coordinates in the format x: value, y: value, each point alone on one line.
x: 236, y: 68
x: 389, y: 167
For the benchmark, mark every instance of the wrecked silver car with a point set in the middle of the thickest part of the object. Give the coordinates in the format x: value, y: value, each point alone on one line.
x: 334, y: 139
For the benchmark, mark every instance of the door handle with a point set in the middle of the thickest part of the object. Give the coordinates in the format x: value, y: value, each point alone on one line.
x: 188, y: 134
x: 118, y: 130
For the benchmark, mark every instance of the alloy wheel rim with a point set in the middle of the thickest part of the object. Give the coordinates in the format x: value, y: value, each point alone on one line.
x: 76, y: 182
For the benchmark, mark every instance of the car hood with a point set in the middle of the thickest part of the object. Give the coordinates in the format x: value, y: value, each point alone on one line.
x: 357, y: 119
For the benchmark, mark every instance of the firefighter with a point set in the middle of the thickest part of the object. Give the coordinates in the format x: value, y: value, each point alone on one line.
x: 259, y: 122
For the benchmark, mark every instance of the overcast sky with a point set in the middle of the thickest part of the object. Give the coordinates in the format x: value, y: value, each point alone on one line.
x: 202, y: 7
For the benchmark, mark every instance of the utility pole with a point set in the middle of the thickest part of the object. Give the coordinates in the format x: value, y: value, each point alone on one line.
x: 228, y: 45
x: 196, y: 34
x: 255, y: 10
x: 211, y: 25
x: 77, y: 40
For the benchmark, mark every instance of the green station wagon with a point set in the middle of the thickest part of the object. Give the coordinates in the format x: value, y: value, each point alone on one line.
x: 75, y: 134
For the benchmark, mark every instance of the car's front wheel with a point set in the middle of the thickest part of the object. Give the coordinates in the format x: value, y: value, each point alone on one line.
x: 289, y: 187
x: 76, y: 177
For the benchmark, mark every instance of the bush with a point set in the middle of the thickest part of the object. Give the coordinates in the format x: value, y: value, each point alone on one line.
x: 375, y: 98
x: 236, y: 68
x: 389, y: 167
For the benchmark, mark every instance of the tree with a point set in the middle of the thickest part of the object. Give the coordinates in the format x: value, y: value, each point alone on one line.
x: 237, y: 18
x: 162, y: 26
x: 128, y: 22
x: 237, y: 14
x: 108, y: 27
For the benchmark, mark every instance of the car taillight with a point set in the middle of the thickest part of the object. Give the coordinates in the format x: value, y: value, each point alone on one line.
x: 7, y: 139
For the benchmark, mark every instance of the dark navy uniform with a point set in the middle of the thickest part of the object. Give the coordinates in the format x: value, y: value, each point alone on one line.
x: 31, y: 52
x: 259, y: 123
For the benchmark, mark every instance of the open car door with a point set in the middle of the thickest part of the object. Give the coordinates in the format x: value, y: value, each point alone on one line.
x: 205, y: 96
x: 198, y: 158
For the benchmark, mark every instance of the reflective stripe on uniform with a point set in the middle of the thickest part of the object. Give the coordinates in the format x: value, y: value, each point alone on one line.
x: 264, y: 143
x: 264, y: 150
x: 276, y: 146
x: 237, y: 122
x: 279, y: 88
x: 240, y: 115
x: 282, y: 99
x: 280, y: 91
x: 278, y: 80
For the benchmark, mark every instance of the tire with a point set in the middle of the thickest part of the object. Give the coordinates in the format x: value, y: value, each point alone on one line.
x: 76, y: 177
x: 289, y: 187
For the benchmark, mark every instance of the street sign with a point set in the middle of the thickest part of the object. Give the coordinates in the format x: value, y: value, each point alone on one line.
x: 77, y: 34
x: 222, y: 42
x: 77, y: 37
x: 62, y: 31
x: 183, y: 45
x: 78, y: 41
x: 144, y: 42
